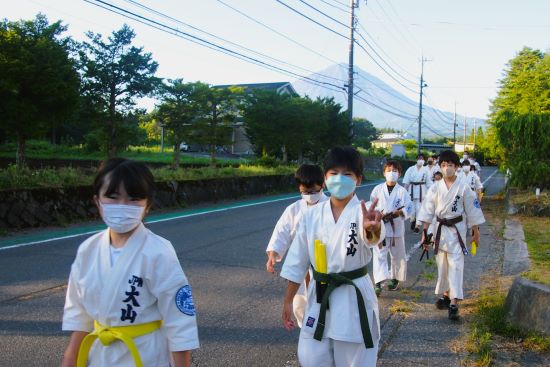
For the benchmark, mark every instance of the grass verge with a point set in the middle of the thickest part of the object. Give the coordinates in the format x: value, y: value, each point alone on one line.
x: 537, y: 236
x: 14, y: 178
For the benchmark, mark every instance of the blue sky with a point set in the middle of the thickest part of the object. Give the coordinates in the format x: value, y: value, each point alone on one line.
x: 468, y: 42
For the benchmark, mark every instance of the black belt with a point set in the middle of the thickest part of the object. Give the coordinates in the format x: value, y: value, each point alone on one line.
x: 334, y: 280
x: 419, y: 183
x: 449, y: 223
x: 388, y: 218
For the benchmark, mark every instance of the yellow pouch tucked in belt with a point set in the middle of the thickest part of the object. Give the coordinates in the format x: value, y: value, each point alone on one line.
x: 320, y: 255
x: 108, y: 334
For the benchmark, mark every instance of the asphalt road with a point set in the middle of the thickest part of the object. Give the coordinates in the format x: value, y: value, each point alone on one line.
x: 223, y: 255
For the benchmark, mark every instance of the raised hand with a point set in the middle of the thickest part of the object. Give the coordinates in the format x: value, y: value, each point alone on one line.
x: 371, y: 216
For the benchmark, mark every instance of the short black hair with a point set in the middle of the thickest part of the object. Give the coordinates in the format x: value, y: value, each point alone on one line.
x: 393, y: 164
x: 420, y: 155
x: 344, y: 157
x: 309, y: 175
x: 466, y: 163
x: 136, y: 177
x: 450, y: 157
x: 438, y: 173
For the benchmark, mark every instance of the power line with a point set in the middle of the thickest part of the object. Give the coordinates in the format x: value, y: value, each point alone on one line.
x: 384, y: 61
x: 382, y: 108
x: 335, y: 6
x: 382, y: 50
x: 136, y: 3
x: 339, y: 2
x: 323, y: 13
x: 404, y: 113
x: 197, y: 40
x: 392, y: 22
x: 312, y: 20
x: 383, y: 69
x: 277, y: 32
x: 389, y: 92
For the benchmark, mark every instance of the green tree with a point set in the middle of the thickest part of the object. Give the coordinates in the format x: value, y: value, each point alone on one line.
x: 520, y: 118
x: 219, y: 110
x: 115, y: 73
x: 39, y: 82
x: 183, y: 105
x: 364, y: 133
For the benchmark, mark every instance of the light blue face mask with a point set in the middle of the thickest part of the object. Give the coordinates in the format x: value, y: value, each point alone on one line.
x: 340, y: 186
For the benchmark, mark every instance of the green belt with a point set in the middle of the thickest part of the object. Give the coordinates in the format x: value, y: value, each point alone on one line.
x: 334, y: 280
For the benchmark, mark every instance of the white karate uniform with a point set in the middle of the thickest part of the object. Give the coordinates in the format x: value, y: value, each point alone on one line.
x: 415, y: 174
x: 347, y: 249
x: 146, y: 283
x: 472, y: 179
x: 451, y: 203
x: 435, y: 168
x: 388, y: 203
x: 281, y: 239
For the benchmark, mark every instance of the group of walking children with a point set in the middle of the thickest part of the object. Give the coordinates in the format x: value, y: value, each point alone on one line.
x: 129, y: 303
x: 329, y: 242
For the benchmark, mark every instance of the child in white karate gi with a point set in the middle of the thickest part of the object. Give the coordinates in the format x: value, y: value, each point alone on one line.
x: 128, y: 301
x: 395, y: 204
x: 310, y: 181
x: 454, y: 206
x: 334, y: 239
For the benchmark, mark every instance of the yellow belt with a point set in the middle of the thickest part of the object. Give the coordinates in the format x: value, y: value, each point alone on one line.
x: 108, y: 334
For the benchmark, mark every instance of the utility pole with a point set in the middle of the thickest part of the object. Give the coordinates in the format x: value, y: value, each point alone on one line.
x: 454, y: 130
x: 353, y: 5
x: 464, y: 133
x: 422, y: 85
x: 475, y: 121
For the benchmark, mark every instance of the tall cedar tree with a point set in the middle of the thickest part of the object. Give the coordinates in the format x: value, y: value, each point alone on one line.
x: 39, y: 83
x: 115, y: 74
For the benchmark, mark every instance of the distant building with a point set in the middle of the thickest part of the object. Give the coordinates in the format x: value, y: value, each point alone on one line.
x: 239, y: 141
x: 459, y: 147
x: 386, y: 140
x: 435, y: 148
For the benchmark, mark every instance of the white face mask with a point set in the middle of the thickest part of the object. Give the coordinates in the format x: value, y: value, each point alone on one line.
x: 122, y: 218
x: 465, y: 156
x: 449, y: 172
x: 312, y: 198
x: 391, y: 176
x: 420, y: 162
x: 466, y: 169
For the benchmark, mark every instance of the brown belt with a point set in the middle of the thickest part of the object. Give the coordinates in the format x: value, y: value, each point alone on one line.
x: 388, y: 218
x: 449, y: 223
x: 419, y: 183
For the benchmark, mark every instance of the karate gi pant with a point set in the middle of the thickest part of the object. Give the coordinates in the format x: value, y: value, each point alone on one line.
x: 299, y: 303
x: 416, y: 205
x: 335, y: 353
x: 450, y: 274
x: 398, y: 269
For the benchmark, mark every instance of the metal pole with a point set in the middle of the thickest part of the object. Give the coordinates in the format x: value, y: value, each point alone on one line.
x: 420, y: 107
x: 350, y: 70
x: 475, y: 121
x: 464, y: 134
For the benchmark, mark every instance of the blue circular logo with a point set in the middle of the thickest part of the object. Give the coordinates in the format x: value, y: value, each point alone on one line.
x: 184, y: 301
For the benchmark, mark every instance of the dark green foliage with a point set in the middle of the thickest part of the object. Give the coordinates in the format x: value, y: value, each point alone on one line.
x: 38, y: 79
x: 520, y: 119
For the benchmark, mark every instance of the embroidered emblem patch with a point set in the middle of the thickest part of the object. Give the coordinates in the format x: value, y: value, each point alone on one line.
x: 477, y: 204
x: 397, y: 203
x: 184, y: 301
x: 310, y: 321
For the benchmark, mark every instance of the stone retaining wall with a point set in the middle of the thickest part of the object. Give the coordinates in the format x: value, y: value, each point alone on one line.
x: 29, y: 208
x: 527, y: 306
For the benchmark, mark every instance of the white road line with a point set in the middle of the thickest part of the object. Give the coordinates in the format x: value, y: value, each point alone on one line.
x: 488, y: 178
x: 238, y: 206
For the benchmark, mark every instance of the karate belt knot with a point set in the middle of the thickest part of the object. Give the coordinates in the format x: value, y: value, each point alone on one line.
x: 334, y: 280
x: 108, y: 334
x: 449, y: 223
x: 388, y: 218
x: 417, y: 183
